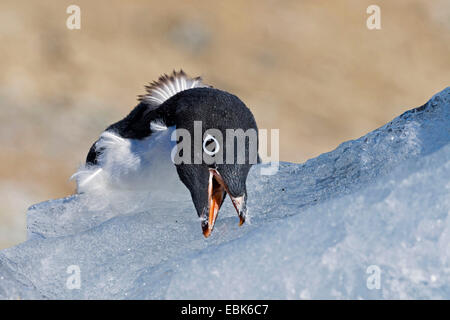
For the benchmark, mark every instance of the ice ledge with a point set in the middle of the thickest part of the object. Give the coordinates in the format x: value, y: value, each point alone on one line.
x: 381, y: 200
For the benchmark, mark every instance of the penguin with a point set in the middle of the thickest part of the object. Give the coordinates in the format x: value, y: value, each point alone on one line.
x: 179, y: 128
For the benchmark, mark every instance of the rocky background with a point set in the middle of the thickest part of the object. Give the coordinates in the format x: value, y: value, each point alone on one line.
x: 311, y: 69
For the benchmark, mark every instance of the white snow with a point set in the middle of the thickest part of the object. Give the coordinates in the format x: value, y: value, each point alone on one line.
x: 322, y: 229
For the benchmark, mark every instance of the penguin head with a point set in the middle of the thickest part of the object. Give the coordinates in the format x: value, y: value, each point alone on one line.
x: 217, y: 143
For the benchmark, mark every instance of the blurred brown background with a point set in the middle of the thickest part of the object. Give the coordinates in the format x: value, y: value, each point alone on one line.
x: 310, y: 68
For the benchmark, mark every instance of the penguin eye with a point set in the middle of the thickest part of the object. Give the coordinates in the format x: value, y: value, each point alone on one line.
x: 210, y: 145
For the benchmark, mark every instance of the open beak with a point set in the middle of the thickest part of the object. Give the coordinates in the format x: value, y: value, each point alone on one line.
x: 216, y: 194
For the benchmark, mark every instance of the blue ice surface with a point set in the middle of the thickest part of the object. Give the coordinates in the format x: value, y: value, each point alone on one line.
x: 368, y: 220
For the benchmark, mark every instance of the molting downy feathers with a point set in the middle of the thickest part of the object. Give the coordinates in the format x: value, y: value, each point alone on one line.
x: 168, y: 86
x: 137, y: 163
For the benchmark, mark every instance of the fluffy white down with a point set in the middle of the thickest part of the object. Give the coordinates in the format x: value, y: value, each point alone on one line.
x: 129, y: 163
x: 169, y: 85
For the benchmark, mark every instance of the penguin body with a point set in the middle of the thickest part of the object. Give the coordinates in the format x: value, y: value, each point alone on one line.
x: 137, y: 152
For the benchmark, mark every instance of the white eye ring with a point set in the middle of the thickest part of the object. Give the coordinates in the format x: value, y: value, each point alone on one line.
x: 217, y: 147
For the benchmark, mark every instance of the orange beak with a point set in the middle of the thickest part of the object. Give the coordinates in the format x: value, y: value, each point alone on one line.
x: 216, y: 195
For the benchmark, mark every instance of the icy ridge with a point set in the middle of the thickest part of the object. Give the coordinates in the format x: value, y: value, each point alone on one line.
x: 381, y: 201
